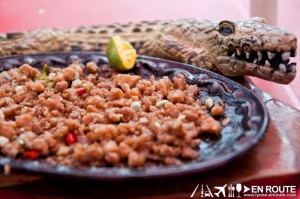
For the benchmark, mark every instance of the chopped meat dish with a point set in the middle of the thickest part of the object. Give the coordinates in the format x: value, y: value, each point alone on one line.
x: 85, y: 115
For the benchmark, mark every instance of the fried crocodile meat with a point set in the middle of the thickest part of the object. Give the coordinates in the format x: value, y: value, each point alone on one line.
x: 239, y: 48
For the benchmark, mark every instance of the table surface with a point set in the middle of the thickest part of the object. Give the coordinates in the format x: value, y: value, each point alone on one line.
x: 280, y: 146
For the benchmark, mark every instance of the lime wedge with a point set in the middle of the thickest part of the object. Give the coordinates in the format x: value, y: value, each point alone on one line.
x: 121, y: 55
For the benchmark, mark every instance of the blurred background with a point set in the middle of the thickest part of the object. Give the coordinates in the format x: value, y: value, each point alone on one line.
x: 31, y: 14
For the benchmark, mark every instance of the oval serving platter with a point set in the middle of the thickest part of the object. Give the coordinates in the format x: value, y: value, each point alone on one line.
x: 249, y: 118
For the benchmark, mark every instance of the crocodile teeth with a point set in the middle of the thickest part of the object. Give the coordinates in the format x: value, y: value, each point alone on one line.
x: 282, y: 68
x: 255, y: 60
x: 259, y: 55
x: 293, y: 68
x: 271, y: 55
x: 238, y: 52
x: 247, y: 55
x: 267, y: 63
x: 285, y: 56
x: 233, y: 55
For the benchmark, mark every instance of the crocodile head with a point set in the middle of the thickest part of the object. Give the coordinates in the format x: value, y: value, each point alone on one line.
x: 253, y: 48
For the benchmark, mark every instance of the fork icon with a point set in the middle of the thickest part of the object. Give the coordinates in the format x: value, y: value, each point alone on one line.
x: 231, y: 191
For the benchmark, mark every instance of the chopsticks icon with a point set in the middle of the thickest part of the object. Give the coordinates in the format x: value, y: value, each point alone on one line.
x: 231, y: 191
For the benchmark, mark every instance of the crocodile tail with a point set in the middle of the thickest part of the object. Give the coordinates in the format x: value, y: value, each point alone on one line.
x: 31, y: 42
x: 84, y: 38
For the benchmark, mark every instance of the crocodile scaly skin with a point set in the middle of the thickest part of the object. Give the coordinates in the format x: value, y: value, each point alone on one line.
x: 233, y: 48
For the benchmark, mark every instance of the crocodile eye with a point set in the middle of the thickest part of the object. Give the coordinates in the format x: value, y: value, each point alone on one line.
x: 226, y: 28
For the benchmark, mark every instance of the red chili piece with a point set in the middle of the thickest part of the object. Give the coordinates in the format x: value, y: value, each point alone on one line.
x: 81, y: 91
x: 71, y: 138
x: 32, y: 155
